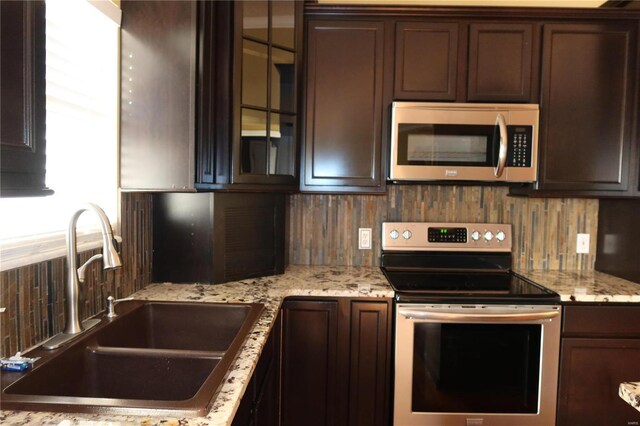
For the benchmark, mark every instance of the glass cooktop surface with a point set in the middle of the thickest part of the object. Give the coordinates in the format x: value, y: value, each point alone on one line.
x: 466, y: 285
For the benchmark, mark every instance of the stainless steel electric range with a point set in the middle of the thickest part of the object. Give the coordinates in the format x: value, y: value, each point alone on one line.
x: 475, y: 343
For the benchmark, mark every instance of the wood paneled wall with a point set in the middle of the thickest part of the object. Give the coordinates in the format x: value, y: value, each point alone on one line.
x: 323, y: 229
x: 34, y: 294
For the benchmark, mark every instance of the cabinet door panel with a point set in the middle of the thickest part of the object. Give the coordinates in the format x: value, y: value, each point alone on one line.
x: 591, y: 371
x: 426, y: 61
x: 22, y: 108
x: 157, y: 130
x: 267, y: 56
x: 343, y: 130
x: 309, y: 361
x: 267, y: 402
x: 369, y: 364
x: 586, y: 106
x: 500, y: 57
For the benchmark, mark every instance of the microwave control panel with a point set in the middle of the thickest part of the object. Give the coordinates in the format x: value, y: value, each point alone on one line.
x: 519, y: 146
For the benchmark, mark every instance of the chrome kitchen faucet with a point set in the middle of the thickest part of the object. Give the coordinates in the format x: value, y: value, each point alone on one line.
x: 110, y: 260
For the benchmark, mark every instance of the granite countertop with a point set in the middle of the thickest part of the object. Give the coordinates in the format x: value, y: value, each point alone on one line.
x: 573, y: 286
x: 297, y: 281
x: 630, y: 392
x: 585, y: 286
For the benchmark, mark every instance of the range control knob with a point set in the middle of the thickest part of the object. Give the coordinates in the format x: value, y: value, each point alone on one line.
x: 406, y: 234
x: 475, y: 235
x: 394, y: 234
x: 500, y: 236
x: 488, y: 236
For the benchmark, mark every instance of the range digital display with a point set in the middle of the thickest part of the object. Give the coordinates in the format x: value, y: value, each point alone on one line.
x: 447, y: 235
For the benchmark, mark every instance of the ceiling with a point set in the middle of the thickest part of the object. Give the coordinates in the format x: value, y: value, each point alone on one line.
x: 509, y: 3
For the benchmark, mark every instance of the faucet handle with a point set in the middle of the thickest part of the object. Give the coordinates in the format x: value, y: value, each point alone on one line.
x: 83, y: 269
x: 111, y: 305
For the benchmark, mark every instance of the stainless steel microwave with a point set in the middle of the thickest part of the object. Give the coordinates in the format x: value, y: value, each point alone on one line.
x: 465, y: 142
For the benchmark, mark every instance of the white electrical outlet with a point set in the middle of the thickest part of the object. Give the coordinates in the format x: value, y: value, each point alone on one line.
x: 364, y: 238
x: 582, y: 244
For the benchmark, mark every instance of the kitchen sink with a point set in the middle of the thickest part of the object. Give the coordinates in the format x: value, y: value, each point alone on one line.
x: 99, y: 373
x: 154, y: 358
x: 182, y: 326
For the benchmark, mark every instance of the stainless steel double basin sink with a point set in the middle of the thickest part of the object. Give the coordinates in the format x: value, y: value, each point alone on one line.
x: 154, y: 358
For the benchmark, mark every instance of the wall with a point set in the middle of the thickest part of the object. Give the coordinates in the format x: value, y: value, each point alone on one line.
x: 34, y: 294
x: 323, y: 229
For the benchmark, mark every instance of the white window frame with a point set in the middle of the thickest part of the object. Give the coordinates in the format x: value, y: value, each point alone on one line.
x: 22, y: 251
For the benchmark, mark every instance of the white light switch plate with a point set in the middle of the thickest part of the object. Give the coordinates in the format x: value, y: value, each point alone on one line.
x: 364, y: 238
x: 582, y: 244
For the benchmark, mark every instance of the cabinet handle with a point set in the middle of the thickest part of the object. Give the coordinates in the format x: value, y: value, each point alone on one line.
x: 502, y: 153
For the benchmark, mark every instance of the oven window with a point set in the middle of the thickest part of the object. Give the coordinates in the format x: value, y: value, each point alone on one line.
x: 476, y: 368
x: 446, y: 145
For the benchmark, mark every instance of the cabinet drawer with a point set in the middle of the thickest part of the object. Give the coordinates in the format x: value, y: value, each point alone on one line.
x: 610, y: 321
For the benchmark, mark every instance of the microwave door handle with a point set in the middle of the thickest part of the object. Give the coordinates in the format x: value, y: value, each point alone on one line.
x: 417, y: 314
x: 502, y: 153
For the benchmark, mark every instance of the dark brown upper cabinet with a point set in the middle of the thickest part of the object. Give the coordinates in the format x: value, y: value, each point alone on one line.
x: 23, y: 103
x: 344, y: 148
x: 210, y: 95
x: 460, y: 61
x: 501, y: 61
x: 588, y: 97
x: 426, y: 61
x: 266, y: 138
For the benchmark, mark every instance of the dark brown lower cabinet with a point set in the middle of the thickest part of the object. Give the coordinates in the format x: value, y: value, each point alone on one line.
x: 260, y: 404
x: 600, y: 349
x: 310, y: 362
x: 336, y: 357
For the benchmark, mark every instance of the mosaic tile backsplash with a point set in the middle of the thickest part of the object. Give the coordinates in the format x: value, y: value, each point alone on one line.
x: 323, y: 229
x: 34, y: 294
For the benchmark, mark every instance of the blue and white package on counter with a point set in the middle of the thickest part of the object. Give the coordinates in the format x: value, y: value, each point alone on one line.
x: 17, y: 362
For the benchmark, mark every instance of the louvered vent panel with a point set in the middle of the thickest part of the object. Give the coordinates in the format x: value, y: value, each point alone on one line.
x: 249, y: 242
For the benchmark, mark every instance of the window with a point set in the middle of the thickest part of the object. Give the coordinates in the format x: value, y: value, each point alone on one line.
x: 82, y: 133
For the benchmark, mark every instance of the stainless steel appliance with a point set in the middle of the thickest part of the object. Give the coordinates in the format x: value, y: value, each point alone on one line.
x: 475, y: 344
x: 466, y: 142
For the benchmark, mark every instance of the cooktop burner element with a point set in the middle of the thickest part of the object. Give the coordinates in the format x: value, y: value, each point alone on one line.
x: 453, y: 263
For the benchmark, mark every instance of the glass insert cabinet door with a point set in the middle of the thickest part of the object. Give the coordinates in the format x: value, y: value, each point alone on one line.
x: 267, y: 137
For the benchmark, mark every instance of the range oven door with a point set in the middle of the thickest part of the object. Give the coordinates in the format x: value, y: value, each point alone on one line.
x: 476, y: 365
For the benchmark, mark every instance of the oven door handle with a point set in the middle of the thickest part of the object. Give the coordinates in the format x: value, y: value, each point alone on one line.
x: 477, y: 318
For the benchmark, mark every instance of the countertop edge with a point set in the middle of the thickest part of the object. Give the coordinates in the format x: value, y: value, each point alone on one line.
x: 630, y: 392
